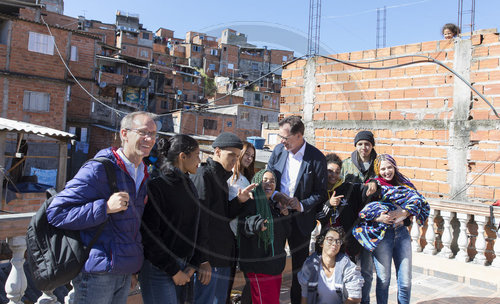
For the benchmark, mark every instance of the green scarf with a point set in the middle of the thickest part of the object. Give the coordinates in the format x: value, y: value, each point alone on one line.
x: 262, y: 205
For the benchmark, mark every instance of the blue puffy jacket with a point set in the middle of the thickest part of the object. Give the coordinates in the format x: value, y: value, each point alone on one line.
x: 82, y: 206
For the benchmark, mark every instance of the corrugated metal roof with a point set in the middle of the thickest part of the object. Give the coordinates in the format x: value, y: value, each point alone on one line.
x: 24, y: 127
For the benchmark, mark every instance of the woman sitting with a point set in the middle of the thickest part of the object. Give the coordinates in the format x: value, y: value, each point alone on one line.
x: 262, y: 232
x: 328, y: 275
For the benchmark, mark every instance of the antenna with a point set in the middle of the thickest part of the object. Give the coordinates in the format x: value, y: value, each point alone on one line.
x: 381, y: 29
x: 314, y: 27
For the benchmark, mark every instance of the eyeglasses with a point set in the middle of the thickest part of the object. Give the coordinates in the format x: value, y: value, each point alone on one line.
x: 331, y: 241
x: 285, y: 138
x: 143, y: 133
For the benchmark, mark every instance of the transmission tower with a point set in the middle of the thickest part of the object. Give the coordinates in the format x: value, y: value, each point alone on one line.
x: 381, y: 28
x: 314, y: 27
x: 461, y: 12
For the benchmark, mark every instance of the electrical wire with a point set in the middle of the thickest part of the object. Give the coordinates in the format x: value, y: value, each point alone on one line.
x: 428, y: 60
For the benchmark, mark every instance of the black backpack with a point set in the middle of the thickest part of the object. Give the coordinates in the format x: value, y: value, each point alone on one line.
x: 56, y: 256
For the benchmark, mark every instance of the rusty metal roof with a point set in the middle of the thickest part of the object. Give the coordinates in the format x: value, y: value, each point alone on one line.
x: 24, y: 127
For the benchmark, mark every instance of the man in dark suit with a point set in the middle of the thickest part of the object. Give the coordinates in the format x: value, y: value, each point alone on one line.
x: 301, y: 174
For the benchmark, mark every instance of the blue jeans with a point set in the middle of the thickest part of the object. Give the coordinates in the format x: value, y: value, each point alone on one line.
x: 157, y: 287
x: 396, y: 245
x: 101, y: 288
x: 366, y: 264
x: 216, y: 291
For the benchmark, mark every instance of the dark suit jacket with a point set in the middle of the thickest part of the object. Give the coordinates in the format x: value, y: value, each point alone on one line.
x: 311, y: 187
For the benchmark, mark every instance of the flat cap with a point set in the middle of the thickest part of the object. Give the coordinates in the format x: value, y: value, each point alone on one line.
x: 227, y: 140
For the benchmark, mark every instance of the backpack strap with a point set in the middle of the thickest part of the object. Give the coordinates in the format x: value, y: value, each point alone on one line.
x: 111, y: 174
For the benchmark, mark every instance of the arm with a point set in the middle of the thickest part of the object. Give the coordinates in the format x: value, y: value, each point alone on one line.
x: 156, y: 237
x: 83, y: 202
x: 353, y: 282
x: 319, y: 177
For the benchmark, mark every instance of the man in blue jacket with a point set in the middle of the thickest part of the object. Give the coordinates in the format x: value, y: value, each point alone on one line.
x: 87, y: 202
x: 301, y: 174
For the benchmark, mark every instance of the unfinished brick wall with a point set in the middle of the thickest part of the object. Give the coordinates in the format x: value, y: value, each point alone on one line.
x: 441, y: 134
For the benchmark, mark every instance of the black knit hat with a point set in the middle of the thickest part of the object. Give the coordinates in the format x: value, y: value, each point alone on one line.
x: 227, y: 140
x: 364, y: 135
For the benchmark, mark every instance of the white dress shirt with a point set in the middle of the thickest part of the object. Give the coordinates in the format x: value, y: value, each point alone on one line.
x: 137, y: 173
x: 291, y: 172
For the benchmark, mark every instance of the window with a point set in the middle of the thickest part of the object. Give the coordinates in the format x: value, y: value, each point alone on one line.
x: 255, y: 66
x: 266, y: 97
x: 36, y: 101
x: 41, y: 43
x: 164, y: 104
x: 213, y: 52
x: 263, y: 118
x: 285, y: 58
x: 74, y: 53
x: 144, y: 53
x: 244, y: 115
x: 211, y: 66
x: 210, y: 124
x: 230, y: 66
x: 257, y: 96
x: 196, y: 48
x: 225, y: 49
x: 145, y: 35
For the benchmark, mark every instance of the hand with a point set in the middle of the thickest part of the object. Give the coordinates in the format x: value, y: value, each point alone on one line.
x: 133, y: 281
x: 281, y: 198
x: 399, y: 214
x: 245, y: 194
x: 189, y: 271
x: 294, y: 203
x: 117, y: 202
x: 180, y: 278
x: 335, y: 200
x: 385, y: 218
x: 283, y: 209
x: 263, y: 226
x: 205, y: 272
x: 372, y: 188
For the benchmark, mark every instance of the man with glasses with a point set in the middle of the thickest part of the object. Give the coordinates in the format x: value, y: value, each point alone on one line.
x: 301, y: 174
x: 87, y: 202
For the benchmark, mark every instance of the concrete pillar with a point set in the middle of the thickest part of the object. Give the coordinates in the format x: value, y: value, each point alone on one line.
x: 308, y: 99
x: 460, y: 126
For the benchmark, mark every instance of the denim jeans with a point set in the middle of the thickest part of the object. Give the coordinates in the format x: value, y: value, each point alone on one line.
x: 101, y: 288
x: 396, y: 245
x: 366, y: 264
x: 157, y: 287
x: 216, y: 291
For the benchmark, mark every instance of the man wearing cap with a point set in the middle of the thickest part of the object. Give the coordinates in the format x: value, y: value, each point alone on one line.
x: 217, y: 239
x: 301, y: 174
x: 358, y: 169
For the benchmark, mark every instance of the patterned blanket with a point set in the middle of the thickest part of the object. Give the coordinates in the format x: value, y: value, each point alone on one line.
x: 369, y: 233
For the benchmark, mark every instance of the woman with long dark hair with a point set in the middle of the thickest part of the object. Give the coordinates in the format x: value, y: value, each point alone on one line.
x: 384, y: 229
x: 170, y: 223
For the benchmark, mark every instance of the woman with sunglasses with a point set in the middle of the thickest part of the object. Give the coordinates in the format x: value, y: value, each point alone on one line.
x: 328, y: 275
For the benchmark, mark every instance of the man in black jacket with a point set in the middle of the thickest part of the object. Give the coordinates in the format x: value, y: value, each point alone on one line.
x: 217, y: 239
x: 301, y: 173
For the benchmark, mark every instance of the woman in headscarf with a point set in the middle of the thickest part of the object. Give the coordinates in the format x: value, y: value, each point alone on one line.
x: 262, y: 232
x: 384, y: 229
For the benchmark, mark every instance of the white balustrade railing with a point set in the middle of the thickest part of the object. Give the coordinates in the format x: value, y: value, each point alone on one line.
x: 457, y: 226
x: 466, y: 214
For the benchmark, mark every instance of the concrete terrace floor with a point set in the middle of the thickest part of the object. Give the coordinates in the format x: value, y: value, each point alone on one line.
x: 426, y: 289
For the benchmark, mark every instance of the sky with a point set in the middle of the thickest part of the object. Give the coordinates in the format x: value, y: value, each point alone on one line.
x: 345, y: 25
